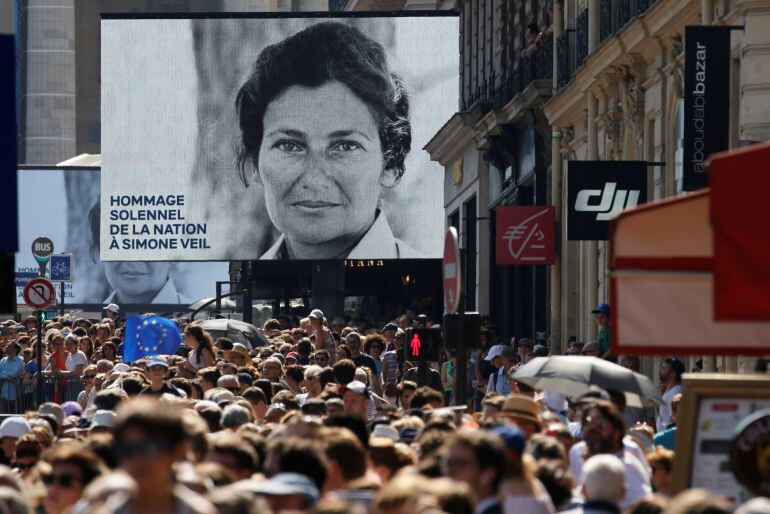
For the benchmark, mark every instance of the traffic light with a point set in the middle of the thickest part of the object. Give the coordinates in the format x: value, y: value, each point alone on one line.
x: 471, y: 330
x: 423, y: 344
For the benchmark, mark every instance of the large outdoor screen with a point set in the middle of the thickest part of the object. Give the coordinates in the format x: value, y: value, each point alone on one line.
x: 63, y: 205
x: 240, y: 138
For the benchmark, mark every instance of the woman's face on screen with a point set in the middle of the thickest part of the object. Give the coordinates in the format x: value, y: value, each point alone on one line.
x: 321, y: 163
x: 137, y: 280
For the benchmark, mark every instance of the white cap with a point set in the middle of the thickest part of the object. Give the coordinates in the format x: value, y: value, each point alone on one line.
x: 388, y: 431
x: 358, y: 388
x: 122, y: 367
x: 495, y: 351
x: 157, y: 360
x: 103, y: 418
x: 113, y: 307
x: 316, y: 314
x: 15, y: 426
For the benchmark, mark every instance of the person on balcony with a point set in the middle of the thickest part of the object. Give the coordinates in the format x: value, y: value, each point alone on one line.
x: 536, y: 38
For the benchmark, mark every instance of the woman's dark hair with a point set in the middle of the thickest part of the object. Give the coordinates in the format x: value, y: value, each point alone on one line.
x: 79, y: 455
x: 203, y: 338
x: 321, y: 53
x: 111, y: 346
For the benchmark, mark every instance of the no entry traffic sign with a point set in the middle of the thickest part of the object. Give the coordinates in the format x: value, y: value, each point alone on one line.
x: 39, y: 293
x: 451, y: 270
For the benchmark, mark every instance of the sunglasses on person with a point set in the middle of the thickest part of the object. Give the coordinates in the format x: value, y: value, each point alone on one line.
x: 143, y: 448
x: 65, y: 480
x: 89, y: 377
x: 234, y: 389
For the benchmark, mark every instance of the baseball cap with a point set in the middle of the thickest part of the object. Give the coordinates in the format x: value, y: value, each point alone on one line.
x: 513, y: 437
x: 603, y: 308
x: 103, y: 418
x: 284, y: 484
x: 15, y: 426
x: 316, y: 314
x: 358, y: 387
x: 72, y: 408
x: 113, y: 307
x: 389, y: 326
x: 157, y: 360
x: 388, y: 431
x: 122, y: 367
x: 495, y: 351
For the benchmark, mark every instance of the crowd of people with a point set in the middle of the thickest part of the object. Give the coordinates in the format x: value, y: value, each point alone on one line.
x: 328, y: 417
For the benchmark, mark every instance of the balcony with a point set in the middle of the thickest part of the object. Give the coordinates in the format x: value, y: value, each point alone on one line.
x: 502, y: 91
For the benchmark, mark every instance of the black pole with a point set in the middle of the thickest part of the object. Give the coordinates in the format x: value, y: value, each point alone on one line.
x: 219, y: 296
x: 461, y: 371
x: 61, y: 302
x: 422, y: 372
x: 248, y: 313
x: 39, y: 320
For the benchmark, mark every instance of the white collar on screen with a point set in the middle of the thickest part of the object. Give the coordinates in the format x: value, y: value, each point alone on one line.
x: 378, y: 243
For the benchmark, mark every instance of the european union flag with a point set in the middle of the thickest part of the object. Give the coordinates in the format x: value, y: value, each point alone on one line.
x: 150, y: 335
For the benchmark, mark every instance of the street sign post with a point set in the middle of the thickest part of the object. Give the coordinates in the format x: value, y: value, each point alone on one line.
x: 452, y: 274
x: 42, y: 248
x: 61, y: 271
x: 451, y: 268
x: 39, y: 293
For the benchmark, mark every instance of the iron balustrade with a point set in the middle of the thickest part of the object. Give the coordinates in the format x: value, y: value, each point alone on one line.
x: 605, y: 19
x: 562, y: 56
x: 581, y: 38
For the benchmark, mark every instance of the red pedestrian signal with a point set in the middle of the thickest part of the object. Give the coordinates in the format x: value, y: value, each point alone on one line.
x: 415, y: 344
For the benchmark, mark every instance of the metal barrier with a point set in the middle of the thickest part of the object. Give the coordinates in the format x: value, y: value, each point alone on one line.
x: 54, y: 389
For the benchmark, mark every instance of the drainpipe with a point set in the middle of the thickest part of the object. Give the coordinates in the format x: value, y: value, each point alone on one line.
x: 591, y: 247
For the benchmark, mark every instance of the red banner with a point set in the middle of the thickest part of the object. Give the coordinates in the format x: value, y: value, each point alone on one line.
x: 739, y: 214
x: 526, y: 235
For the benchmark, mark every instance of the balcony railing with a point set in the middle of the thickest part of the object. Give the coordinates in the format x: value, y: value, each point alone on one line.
x: 581, y: 38
x: 606, y: 27
x: 500, y: 92
x: 624, y: 12
x: 562, y: 55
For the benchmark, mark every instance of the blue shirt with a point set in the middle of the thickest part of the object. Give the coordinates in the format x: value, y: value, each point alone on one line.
x: 11, y: 370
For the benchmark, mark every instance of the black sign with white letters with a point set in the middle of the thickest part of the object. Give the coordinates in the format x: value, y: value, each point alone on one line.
x: 706, y: 100
x: 597, y: 191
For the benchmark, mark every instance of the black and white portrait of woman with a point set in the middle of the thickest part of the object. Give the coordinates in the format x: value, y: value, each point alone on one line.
x: 301, y: 138
x: 325, y: 128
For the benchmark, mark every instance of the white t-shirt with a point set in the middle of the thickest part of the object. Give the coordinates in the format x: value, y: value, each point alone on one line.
x: 664, y: 412
x: 73, y: 361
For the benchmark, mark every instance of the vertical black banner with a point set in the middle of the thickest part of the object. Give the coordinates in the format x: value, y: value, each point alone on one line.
x: 706, y: 99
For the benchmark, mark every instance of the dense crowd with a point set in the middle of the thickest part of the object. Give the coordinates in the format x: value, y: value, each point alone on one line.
x: 327, y: 417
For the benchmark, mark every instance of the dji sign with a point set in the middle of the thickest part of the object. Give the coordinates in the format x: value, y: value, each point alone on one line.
x: 598, y: 191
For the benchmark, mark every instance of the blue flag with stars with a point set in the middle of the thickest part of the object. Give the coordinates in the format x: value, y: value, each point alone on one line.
x: 150, y: 335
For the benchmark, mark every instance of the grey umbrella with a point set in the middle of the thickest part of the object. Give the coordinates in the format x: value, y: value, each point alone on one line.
x: 236, y: 330
x: 210, y: 305
x: 574, y: 375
